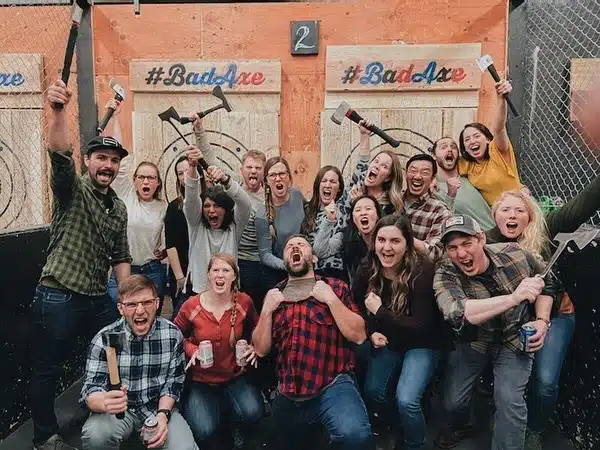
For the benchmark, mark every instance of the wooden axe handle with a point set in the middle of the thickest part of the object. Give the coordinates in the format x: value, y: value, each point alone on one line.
x: 113, y: 373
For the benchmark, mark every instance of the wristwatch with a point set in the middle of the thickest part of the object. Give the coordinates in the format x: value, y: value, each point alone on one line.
x: 166, y: 412
x: 546, y: 321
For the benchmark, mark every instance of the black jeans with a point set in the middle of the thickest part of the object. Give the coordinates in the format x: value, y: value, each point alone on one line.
x: 59, y: 316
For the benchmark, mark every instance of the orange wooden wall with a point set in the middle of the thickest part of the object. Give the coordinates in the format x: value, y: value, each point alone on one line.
x: 262, y: 31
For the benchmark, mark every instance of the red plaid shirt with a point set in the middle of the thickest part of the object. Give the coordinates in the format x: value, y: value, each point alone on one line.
x: 311, y: 349
x: 426, y: 215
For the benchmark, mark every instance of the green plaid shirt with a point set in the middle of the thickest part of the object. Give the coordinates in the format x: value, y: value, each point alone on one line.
x: 509, y: 265
x: 88, y: 231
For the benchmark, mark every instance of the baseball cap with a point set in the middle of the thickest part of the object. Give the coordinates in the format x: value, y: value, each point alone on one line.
x: 460, y: 224
x: 106, y: 143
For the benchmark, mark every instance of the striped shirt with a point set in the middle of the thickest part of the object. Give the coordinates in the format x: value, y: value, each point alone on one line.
x: 88, y: 231
x: 151, y: 366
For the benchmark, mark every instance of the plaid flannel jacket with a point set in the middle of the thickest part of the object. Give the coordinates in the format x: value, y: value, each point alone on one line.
x: 151, y: 366
x: 87, y: 234
x: 510, y: 265
x: 311, y: 349
x: 426, y: 217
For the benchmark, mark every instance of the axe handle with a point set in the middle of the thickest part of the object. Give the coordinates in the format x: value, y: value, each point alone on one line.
x: 66, y: 70
x: 113, y: 373
x: 511, y: 105
x: 107, y: 116
x: 202, y: 114
x: 356, y: 117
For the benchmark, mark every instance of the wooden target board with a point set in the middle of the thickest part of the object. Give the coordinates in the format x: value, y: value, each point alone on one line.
x: 251, y: 87
x: 417, y: 93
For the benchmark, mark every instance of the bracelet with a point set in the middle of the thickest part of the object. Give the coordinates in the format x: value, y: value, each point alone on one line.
x: 546, y: 321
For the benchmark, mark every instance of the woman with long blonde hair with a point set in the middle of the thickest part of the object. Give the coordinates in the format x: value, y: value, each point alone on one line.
x: 383, y: 181
x: 520, y: 219
x: 396, y: 283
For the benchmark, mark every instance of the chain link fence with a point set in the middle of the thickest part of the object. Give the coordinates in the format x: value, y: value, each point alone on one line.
x: 33, y: 36
x: 562, y: 37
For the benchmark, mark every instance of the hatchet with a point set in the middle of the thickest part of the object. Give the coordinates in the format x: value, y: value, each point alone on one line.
x: 581, y: 238
x: 486, y: 62
x: 217, y: 92
x: 79, y: 6
x: 120, y: 96
x: 344, y: 110
x: 114, y: 342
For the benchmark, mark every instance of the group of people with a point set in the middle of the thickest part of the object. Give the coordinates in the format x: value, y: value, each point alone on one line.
x: 349, y: 304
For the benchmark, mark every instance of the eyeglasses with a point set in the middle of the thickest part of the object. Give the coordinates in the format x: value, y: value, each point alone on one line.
x: 132, y: 306
x: 282, y: 175
x: 146, y: 177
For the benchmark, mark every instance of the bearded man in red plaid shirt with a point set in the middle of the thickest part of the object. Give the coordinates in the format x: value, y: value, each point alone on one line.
x: 314, y: 325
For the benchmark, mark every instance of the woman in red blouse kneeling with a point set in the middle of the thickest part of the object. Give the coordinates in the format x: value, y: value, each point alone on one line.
x: 212, y: 323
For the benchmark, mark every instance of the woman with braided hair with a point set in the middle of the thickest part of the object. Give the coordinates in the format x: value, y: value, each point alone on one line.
x: 280, y: 217
x: 221, y: 315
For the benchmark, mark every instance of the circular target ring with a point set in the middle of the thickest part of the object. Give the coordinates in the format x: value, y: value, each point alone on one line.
x: 13, y: 186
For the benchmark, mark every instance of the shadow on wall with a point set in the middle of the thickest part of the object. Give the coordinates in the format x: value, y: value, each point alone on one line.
x: 22, y: 256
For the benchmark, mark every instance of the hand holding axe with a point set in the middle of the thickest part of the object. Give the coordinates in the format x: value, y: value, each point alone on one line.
x: 216, y: 92
x: 114, y: 342
x: 486, y: 62
x: 344, y: 110
x: 119, y: 96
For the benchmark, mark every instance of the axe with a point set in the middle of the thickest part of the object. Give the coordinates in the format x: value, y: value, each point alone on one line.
x: 581, y: 238
x: 113, y: 342
x: 120, y: 96
x: 344, y: 110
x: 217, y: 92
x: 486, y: 62
x: 79, y: 6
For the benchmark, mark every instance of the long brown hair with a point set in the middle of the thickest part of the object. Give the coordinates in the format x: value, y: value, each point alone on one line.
x: 407, y: 271
x: 270, y: 210
x: 392, y: 189
x: 313, y: 207
x: 157, y: 194
x: 483, y: 130
x: 235, y: 288
x: 180, y: 188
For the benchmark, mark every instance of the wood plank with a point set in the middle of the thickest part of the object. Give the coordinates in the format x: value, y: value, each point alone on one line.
x: 402, y: 67
x: 336, y: 140
x: 404, y: 100
x: 584, y: 78
x: 455, y: 119
x: 8, y: 204
x: 147, y: 136
x: 22, y: 101
x: 264, y: 133
x: 188, y: 102
x: 256, y: 76
x: 234, y: 139
x: 20, y: 73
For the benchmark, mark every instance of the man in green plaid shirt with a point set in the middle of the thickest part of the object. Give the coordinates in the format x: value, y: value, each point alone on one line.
x: 88, y: 234
x: 487, y: 292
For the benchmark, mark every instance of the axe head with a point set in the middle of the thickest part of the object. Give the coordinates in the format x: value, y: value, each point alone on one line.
x: 341, y: 112
x: 169, y: 114
x: 83, y: 4
x: 484, y: 62
x: 119, y: 91
x: 218, y: 92
x: 582, y: 238
x: 114, y: 339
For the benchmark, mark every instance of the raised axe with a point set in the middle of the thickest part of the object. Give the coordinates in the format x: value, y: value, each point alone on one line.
x: 486, y: 63
x: 120, y: 96
x: 79, y: 6
x: 344, y: 110
x: 581, y: 238
x: 113, y: 342
x: 216, y: 92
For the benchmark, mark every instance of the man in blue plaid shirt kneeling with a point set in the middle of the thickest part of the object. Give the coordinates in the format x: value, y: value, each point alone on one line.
x: 151, y: 366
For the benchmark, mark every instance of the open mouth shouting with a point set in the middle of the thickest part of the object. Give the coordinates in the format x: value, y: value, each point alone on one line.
x: 365, y: 225
x: 105, y: 176
x: 388, y: 258
x: 467, y: 265
x: 141, y: 322
x: 416, y: 186
x: 220, y: 283
x: 371, y: 176
x: 475, y: 150
x: 296, y: 257
x: 213, y: 220
x: 326, y: 196
x: 512, y: 227
x: 279, y: 188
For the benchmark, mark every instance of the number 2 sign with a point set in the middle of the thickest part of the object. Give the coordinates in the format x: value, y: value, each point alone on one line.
x: 305, y: 37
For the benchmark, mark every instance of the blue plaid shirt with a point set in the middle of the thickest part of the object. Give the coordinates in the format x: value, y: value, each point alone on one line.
x: 151, y: 366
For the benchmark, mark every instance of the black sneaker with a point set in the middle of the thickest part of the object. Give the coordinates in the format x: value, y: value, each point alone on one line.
x: 449, y: 437
x: 55, y: 442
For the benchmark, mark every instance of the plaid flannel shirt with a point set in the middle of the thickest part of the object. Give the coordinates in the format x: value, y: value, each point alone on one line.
x: 151, y: 366
x: 510, y: 264
x: 426, y: 215
x: 311, y: 349
x: 86, y: 235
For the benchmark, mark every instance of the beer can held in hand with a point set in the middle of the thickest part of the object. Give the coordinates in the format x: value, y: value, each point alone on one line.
x: 526, y: 332
x: 240, y: 348
x: 150, y: 429
x: 205, y: 355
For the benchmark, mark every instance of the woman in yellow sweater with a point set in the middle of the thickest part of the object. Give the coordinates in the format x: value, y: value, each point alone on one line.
x: 488, y: 159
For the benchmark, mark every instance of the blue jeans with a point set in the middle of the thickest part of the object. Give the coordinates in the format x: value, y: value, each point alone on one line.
x: 59, y: 317
x: 406, y: 375
x: 339, y: 407
x: 205, y: 405
x: 155, y: 270
x: 547, y: 365
x: 511, y: 375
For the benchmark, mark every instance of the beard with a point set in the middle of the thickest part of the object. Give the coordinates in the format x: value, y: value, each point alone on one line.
x: 297, y: 272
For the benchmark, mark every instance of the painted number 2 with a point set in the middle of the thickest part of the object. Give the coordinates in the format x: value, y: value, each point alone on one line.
x: 305, y: 33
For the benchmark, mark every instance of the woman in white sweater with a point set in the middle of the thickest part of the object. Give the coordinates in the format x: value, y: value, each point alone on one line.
x: 216, y: 218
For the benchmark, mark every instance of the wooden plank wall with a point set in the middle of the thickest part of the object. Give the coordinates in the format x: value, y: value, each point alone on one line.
x: 262, y: 31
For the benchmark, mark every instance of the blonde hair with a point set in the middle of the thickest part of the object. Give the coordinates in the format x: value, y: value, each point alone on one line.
x: 392, y: 189
x: 235, y: 289
x: 535, y: 235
